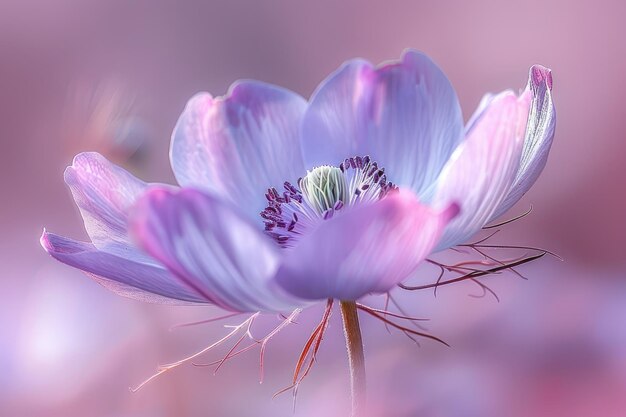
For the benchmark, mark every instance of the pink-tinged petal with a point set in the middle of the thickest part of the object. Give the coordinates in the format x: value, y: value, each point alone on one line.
x: 367, y: 250
x: 144, y: 282
x: 481, y: 171
x: 539, y: 135
x: 404, y: 114
x: 239, y: 145
x: 208, y: 245
x: 104, y: 192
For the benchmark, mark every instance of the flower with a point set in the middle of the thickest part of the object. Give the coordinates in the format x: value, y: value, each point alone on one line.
x: 376, y: 171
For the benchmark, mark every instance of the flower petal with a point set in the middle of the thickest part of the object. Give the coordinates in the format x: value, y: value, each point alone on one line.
x: 481, y: 171
x: 144, y: 282
x: 404, y: 114
x: 369, y: 249
x: 104, y: 192
x: 539, y: 135
x: 211, y: 247
x: 239, y: 145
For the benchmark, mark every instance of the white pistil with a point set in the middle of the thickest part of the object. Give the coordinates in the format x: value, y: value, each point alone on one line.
x: 323, y: 192
x: 324, y: 187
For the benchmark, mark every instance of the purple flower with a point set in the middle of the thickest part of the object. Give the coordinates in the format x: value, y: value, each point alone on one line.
x: 286, y: 201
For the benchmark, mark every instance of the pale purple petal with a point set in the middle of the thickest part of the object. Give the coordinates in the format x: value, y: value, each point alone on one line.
x: 404, y: 114
x: 239, y: 145
x: 207, y: 244
x: 104, y: 192
x: 481, y: 171
x: 144, y: 282
x: 367, y: 250
x: 539, y: 135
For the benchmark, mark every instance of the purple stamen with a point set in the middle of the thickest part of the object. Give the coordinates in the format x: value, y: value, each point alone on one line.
x: 367, y: 182
x: 291, y: 188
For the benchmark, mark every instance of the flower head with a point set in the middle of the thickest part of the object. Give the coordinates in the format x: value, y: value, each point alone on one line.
x: 285, y: 201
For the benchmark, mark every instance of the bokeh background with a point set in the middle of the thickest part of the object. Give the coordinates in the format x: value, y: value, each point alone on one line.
x: 113, y: 76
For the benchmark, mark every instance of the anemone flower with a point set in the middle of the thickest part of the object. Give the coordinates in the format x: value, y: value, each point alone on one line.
x: 284, y: 202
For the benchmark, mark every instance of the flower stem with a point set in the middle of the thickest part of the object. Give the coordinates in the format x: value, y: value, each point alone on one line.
x: 356, y: 359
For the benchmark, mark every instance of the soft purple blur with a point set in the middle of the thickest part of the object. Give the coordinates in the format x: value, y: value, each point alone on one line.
x: 113, y: 77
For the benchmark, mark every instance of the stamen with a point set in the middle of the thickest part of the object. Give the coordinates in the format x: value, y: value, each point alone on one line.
x: 321, y: 194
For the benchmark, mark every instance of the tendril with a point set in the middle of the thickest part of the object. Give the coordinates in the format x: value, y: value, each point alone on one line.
x: 521, y: 216
x: 308, y: 355
x: 168, y: 367
x: 407, y: 331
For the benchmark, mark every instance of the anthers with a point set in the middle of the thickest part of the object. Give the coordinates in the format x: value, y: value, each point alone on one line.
x: 322, y: 193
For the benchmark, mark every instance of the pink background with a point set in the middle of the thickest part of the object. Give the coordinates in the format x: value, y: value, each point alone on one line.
x: 113, y: 76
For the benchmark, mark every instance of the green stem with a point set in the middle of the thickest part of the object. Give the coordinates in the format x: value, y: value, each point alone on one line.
x: 356, y: 358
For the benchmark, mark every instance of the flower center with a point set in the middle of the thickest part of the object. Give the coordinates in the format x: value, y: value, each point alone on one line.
x: 320, y: 194
x: 324, y: 188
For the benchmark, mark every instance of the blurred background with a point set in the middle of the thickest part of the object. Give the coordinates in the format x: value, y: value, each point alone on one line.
x: 113, y: 76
